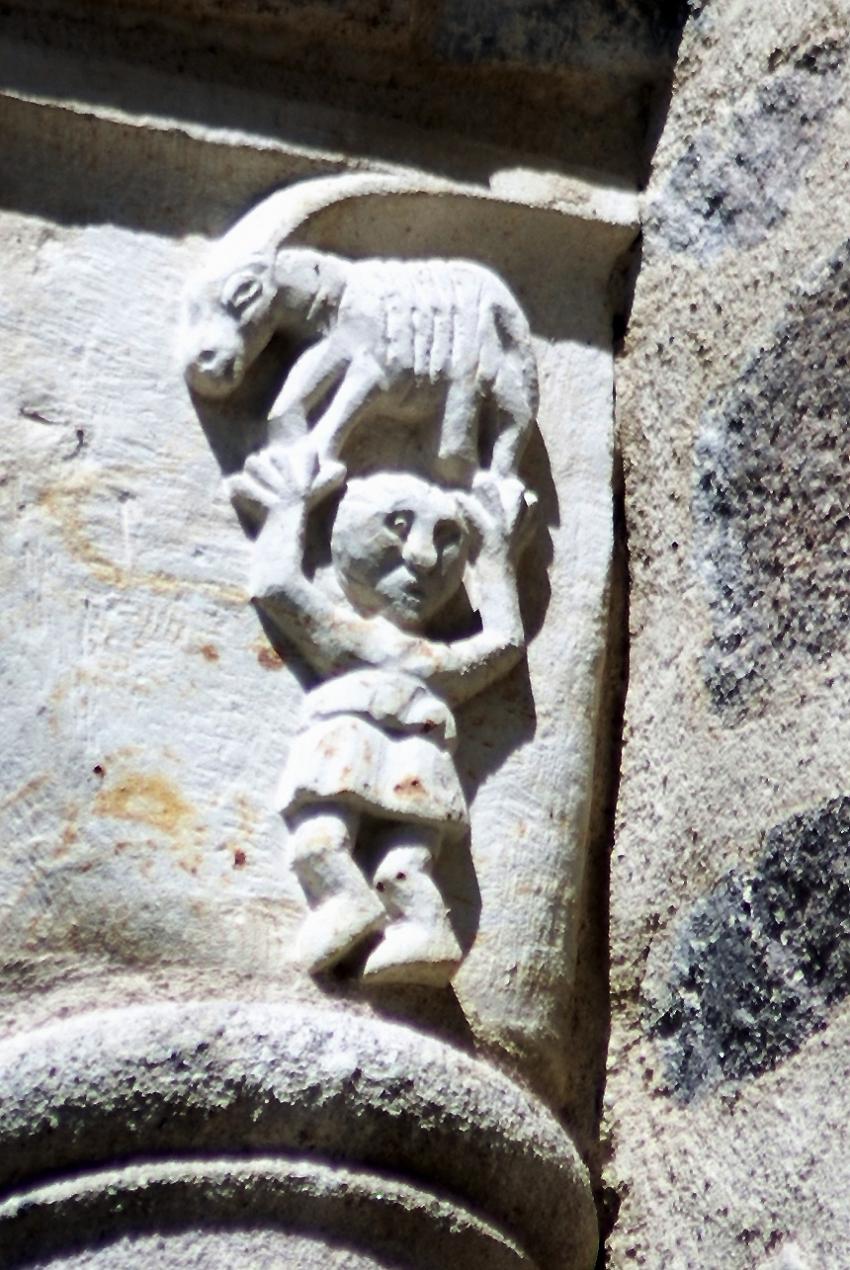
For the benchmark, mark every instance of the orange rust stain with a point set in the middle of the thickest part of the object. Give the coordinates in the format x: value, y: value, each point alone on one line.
x: 269, y: 659
x: 65, y: 502
x: 23, y: 791
x: 146, y: 798
x: 209, y: 652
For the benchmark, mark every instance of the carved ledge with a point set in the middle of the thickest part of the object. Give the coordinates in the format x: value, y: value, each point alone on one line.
x: 346, y: 1128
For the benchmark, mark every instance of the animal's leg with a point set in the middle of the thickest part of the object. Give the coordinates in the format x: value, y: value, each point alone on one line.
x: 310, y: 378
x: 419, y: 945
x: 362, y: 380
x: 515, y: 404
x: 344, y: 908
x: 457, y: 454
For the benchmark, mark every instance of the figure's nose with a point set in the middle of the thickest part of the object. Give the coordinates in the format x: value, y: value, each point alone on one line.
x: 420, y: 552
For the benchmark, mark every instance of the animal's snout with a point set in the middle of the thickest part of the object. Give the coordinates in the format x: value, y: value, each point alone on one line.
x: 212, y: 371
x: 208, y: 357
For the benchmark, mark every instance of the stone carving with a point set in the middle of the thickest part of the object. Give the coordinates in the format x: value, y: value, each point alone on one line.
x: 430, y: 337
x: 396, y: 581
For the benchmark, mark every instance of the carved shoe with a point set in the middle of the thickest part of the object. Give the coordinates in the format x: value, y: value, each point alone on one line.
x: 412, y: 952
x: 333, y: 929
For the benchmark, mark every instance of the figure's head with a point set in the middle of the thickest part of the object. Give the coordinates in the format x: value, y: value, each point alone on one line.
x: 229, y: 320
x: 399, y: 547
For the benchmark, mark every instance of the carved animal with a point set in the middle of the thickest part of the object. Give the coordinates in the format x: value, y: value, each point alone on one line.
x: 439, y: 339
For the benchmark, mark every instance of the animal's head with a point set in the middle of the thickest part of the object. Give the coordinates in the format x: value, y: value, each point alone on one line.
x: 229, y: 319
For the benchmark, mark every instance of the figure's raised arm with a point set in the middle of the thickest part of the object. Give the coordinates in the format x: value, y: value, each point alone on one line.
x: 504, y: 514
x: 330, y: 635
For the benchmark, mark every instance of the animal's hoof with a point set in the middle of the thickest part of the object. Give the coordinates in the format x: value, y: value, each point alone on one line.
x: 330, y: 476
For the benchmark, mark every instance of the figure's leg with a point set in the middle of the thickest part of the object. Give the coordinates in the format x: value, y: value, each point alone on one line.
x: 344, y: 909
x: 419, y: 945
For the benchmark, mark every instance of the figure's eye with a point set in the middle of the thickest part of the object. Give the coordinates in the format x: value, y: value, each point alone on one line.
x: 446, y: 534
x: 241, y: 294
x: 399, y: 523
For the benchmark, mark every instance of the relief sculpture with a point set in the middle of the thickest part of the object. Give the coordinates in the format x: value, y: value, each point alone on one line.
x: 390, y: 519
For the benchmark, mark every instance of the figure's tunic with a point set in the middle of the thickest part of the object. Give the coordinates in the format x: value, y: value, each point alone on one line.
x: 380, y: 742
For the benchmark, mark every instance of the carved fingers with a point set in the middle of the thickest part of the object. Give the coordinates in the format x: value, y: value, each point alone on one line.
x: 503, y: 511
x: 285, y: 475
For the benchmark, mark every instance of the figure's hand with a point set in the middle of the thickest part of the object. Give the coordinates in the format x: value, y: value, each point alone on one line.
x: 270, y: 477
x: 284, y: 476
x: 504, y: 512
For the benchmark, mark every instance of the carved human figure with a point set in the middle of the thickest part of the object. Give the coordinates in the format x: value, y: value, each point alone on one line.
x: 377, y: 738
x: 435, y: 339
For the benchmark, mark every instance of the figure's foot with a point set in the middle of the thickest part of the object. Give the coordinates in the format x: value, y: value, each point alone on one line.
x: 412, y: 952
x: 419, y: 945
x: 336, y: 926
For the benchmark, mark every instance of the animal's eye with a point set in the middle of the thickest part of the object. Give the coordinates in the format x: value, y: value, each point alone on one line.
x: 242, y: 293
x: 399, y: 523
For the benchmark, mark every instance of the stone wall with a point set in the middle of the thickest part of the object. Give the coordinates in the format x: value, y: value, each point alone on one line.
x: 729, y: 903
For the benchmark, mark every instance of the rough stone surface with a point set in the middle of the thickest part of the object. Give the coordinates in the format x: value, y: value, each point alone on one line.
x: 758, y: 964
x: 726, y: 1097
x: 770, y: 510
x: 166, y: 1081
x: 563, y: 84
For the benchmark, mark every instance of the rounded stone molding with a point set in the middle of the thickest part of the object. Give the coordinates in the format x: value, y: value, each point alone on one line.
x: 262, y: 1211
x: 339, y: 1122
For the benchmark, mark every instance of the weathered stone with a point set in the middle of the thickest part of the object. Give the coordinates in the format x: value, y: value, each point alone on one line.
x: 727, y: 1067
x: 433, y: 1137
x: 757, y: 965
x: 773, y: 533
x: 738, y: 176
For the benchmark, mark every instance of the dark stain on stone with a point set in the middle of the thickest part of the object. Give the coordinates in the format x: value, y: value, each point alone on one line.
x: 736, y: 181
x: 758, y: 964
x: 551, y: 34
x: 771, y: 506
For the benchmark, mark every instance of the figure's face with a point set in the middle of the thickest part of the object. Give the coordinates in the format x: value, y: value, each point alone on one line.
x: 399, y: 547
